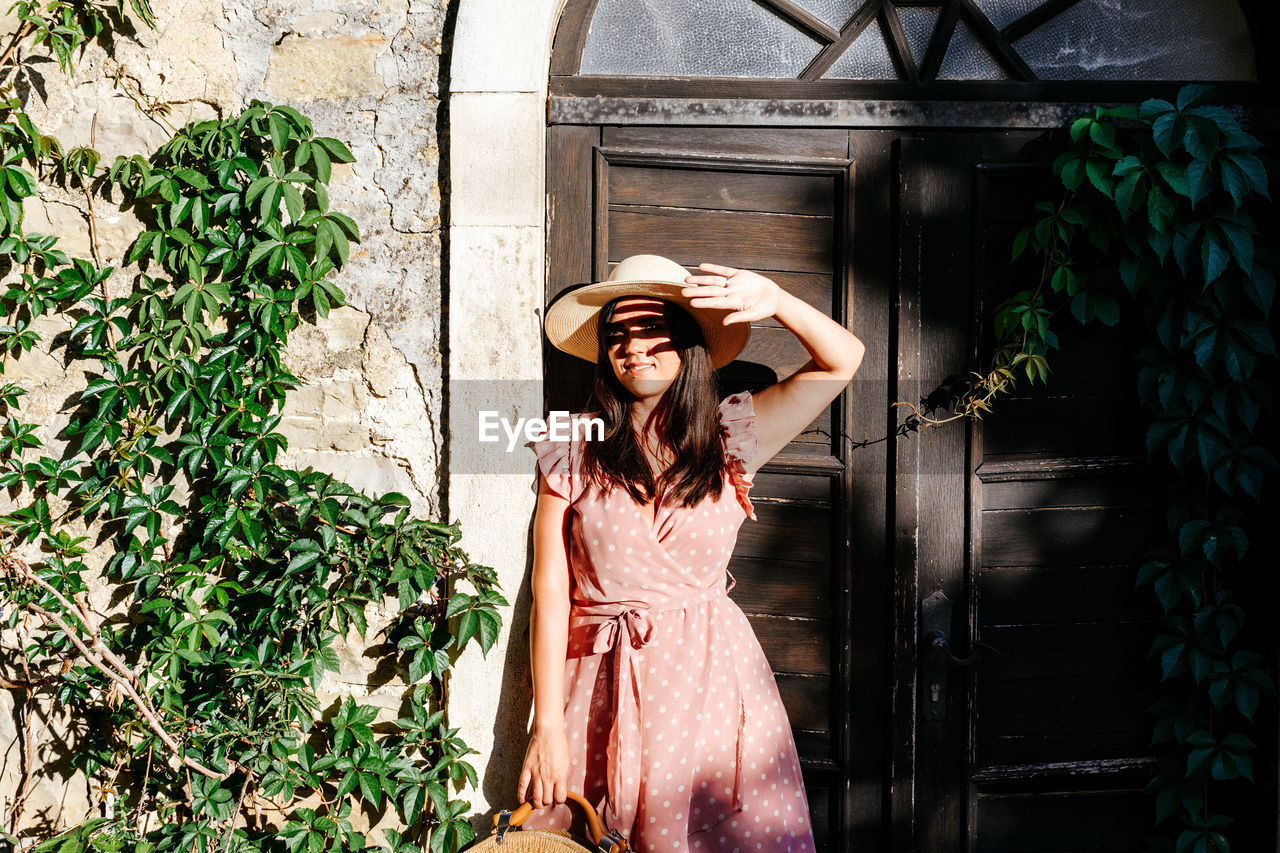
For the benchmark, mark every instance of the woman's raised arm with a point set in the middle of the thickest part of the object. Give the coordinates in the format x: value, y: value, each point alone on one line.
x: 544, y: 776
x: 784, y: 409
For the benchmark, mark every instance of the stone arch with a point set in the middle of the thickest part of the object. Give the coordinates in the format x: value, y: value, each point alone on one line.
x: 497, y: 108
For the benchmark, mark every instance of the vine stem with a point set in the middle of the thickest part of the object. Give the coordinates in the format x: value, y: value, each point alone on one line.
x: 94, y: 248
x: 971, y: 405
x: 230, y: 831
x: 139, y: 814
x: 144, y: 707
x: 150, y: 107
x: 82, y: 614
x: 125, y: 678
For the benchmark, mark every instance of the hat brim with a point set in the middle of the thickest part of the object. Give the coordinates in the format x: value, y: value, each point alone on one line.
x: 573, y: 316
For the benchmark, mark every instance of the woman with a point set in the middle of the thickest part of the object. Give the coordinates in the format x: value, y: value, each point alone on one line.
x: 651, y: 694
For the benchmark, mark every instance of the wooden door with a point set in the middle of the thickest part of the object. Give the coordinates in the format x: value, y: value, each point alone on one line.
x: 1028, y: 527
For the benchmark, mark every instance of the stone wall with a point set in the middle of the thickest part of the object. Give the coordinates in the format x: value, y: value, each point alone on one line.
x: 369, y: 411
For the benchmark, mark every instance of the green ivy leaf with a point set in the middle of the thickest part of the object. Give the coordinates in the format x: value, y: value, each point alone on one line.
x: 1250, y: 171
x: 1168, y: 131
x: 336, y: 149
x: 1239, y: 682
x: 1204, y: 835
x: 1160, y: 209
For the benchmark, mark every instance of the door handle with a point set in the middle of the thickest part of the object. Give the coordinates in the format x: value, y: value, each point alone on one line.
x: 938, y: 661
x: 938, y: 641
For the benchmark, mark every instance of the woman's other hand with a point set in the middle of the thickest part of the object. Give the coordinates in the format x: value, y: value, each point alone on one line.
x: 544, y: 777
x: 784, y: 409
x: 749, y: 295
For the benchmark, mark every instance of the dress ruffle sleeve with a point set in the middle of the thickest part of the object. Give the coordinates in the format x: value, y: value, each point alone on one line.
x: 738, y: 430
x: 555, y: 461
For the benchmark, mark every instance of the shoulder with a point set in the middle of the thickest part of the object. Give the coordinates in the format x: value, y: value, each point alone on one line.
x: 559, y: 450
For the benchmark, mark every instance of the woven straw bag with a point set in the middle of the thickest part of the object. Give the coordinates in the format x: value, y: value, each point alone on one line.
x: 508, y: 837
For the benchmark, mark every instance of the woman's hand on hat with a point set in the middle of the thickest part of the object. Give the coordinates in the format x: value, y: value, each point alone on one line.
x: 748, y: 295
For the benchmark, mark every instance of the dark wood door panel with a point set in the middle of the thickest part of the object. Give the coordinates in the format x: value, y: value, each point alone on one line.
x: 1128, y: 487
x: 1084, y: 425
x: 1085, y: 363
x: 752, y: 240
x: 571, y: 153
x: 1049, y: 595
x: 794, y: 646
x: 815, y: 489
x: 721, y: 189
x: 1069, y: 706
x: 1075, y: 536
x: 748, y: 143
x: 808, y: 701
x: 776, y: 219
x: 817, y: 289
x: 1033, y: 522
x: 799, y: 534
x: 1035, y: 652
x: 1062, y: 823
x: 1061, y: 753
x: 787, y: 586
x: 820, y: 811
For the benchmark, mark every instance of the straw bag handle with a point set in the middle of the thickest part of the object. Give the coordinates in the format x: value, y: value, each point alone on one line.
x: 606, y: 841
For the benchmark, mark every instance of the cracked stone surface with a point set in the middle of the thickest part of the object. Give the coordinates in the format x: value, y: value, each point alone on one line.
x: 368, y: 410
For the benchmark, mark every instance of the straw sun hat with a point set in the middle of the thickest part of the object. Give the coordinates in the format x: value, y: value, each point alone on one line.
x: 573, y: 315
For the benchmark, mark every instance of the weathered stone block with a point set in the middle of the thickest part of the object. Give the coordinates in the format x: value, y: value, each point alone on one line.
x: 309, y: 69
x: 496, y: 333
x: 497, y: 174
x: 520, y: 65
x: 330, y: 345
x: 384, y: 368
x: 344, y: 328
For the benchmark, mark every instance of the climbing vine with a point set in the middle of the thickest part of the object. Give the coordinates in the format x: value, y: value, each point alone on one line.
x: 1158, y: 212
x: 232, y: 579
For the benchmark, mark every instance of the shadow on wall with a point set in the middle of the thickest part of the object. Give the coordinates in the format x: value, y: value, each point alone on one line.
x: 501, y: 772
x: 38, y: 783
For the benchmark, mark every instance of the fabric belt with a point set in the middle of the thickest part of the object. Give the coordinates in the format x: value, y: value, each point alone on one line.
x: 623, y: 627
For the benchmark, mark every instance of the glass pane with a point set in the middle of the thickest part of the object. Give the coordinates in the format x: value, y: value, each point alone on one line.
x: 967, y: 59
x: 1004, y: 12
x: 1142, y: 40
x: 918, y: 23
x: 834, y: 12
x: 866, y: 59
x: 723, y: 38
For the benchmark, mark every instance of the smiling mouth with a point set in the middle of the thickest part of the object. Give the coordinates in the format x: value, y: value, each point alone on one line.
x: 637, y: 368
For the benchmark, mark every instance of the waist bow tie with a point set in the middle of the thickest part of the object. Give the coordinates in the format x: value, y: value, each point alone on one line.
x: 622, y: 633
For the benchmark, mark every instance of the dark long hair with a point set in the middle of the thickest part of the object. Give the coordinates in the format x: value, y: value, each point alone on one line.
x: 684, y: 420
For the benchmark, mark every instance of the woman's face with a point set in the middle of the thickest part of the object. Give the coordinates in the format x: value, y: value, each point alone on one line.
x: 639, y: 347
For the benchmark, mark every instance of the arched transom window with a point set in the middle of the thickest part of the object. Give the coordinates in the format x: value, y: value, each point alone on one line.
x: 921, y: 41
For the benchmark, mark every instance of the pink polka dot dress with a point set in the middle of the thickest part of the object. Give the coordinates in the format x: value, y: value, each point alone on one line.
x: 675, y: 727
